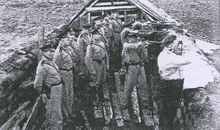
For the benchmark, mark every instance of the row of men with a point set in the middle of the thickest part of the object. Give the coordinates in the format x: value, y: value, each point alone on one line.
x: 60, y: 69
x: 107, y: 49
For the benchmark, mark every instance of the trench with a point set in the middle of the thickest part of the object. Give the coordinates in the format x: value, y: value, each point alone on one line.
x: 17, y: 91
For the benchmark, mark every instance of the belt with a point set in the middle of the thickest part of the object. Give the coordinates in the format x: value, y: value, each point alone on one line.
x: 137, y: 63
x: 66, y: 69
x: 117, y: 32
x: 99, y: 61
x: 56, y: 84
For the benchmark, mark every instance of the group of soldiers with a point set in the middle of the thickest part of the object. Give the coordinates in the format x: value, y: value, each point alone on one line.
x: 76, y: 73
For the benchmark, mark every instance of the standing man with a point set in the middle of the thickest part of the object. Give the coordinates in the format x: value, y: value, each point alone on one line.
x: 64, y: 60
x: 134, y: 55
x: 108, y: 33
x: 170, y: 64
x: 117, y: 27
x: 76, y: 56
x: 83, y: 41
x: 48, y: 76
x: 97, y: 62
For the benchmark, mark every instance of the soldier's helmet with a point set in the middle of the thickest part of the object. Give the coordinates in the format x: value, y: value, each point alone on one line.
x: 86, y: 25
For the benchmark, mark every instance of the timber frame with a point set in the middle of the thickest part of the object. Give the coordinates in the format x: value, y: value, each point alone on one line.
x: 126, y: 8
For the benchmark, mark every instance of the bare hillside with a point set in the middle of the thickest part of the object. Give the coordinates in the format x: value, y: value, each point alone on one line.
x: 20, y: 21
x: 201, y: 17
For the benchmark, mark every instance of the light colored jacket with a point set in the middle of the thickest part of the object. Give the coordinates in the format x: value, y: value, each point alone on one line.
x: 47, y: 72
x: 96, y: 52
x: 170, y: 65
x: 133, y: 54
x: 63, y: 58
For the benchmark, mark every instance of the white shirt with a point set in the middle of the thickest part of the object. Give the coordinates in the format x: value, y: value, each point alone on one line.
x: 170, y: 65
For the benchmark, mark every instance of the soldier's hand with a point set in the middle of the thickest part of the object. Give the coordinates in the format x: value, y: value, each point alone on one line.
x: 139, y: 44
x: 44, y: 98
x: 93, y: 76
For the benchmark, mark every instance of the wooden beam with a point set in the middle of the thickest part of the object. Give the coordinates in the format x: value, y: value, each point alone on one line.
x: 125, y: 13
x: 89, y: 17
x: 109, y: 3
x: 83, y: 13
x: 94, y: 3
x: 92, y: 9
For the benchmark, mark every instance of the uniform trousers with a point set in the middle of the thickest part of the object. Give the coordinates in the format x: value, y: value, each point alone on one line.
x: 54, y: 116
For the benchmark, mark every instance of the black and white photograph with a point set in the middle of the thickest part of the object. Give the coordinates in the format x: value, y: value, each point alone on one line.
x: 109, y: 65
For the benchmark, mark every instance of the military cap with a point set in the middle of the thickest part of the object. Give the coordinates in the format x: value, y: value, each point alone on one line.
x: 115, y: 11
x: 46, y: 46
x: 87, y: 25
x: 133, y: 33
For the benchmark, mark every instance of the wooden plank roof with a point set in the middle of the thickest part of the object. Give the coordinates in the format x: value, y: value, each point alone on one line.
x: 103, y: 5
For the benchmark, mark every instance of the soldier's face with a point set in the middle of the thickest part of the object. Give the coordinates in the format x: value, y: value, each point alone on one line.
x: 116, y: 14
x: 49, y: 52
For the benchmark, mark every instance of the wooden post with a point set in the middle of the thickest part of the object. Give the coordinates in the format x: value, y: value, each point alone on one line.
x: 89, y: 17
x: 125, y: 13
x: 41, y: 42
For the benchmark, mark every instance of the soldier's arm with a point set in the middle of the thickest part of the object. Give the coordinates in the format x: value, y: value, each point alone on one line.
x: 129, y: 46
x: 111, y: 24
x: 88, y: 60
x: 57, y: 57
x: 107, y: 60
x: 40, y: 77
x: 80, y: 46
x: 144, y: 54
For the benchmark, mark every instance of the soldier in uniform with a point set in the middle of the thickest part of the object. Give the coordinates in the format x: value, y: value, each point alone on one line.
x: 100, y: 30
x: 48, y: 76
x: 117, y: 27
x: 97, y: 61
x: 133, y: 55
x: 64, y: 59
x: 97, y: 64
x: 127, y: 28
x: 82, y: 42
x: 108, y: 33
x: 76, y: 56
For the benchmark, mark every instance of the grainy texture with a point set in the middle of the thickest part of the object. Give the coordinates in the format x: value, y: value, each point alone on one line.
x: 201, y: 17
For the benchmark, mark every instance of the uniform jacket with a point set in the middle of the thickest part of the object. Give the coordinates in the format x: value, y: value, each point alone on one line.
x: 96, y: 52
x: 63, y: 58
x: 107, y: 31
x: 82, y: 42
x: 116, y: 25
x: 47, y: 72
x: 132, y: 54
